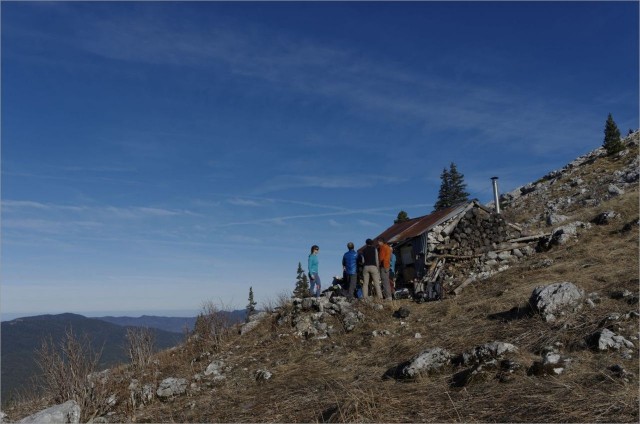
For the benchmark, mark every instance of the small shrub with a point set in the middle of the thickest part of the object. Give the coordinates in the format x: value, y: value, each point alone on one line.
x: 140, y: 346
x: 68, y: 372
x: 211, y: 329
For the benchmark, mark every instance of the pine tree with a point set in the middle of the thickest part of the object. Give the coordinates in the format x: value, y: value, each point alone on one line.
x: 457, y: 186
x: 251, y: 307
x: 452, y: 188
x: 302, y: 284
x: 443, y: 193
x: 612, y: 142
x: 402, y: 216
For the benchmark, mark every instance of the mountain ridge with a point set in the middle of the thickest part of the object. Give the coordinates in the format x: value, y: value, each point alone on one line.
x: 485, y: 355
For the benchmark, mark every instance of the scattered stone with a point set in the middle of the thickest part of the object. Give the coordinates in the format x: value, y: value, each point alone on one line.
x: 68, y: 412
x: 428, y: 361
x: 604, y: 218
x: 170, y: 387
x: 556, y: 299
x: 263, y: 375
x: 606, y: 339
x: 485, y: 353
x: 625, y: 295
x: 619, y: 372
x: 615, y: 190
x: 215, y: 369
x: 403, y: 312
x: 554, y: 218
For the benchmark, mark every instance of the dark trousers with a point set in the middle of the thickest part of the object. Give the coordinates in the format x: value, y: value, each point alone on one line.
x: 352, y: 280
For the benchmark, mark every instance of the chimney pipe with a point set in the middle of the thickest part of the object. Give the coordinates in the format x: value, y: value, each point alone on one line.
x: 496, y: 198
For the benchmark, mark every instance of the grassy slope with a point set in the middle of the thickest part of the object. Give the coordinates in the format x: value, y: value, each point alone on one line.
x: 341, y: 378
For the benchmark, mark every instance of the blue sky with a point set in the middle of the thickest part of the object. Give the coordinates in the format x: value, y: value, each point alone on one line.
x: 156, y: 155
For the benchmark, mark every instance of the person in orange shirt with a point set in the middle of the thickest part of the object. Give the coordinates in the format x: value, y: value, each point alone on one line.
x: 384, y: 256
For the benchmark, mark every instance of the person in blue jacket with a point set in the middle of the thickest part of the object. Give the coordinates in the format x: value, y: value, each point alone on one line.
x: 314, y: 278
x: 350, y: 268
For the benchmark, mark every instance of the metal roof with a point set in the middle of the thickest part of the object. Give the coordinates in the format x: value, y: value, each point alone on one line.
x: 415, y: 227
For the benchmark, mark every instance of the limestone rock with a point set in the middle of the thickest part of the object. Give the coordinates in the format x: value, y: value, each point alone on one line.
x: 556, y: 299
x: 215, y: 369
x: 68, y: 412
x: 486, y: 352
x: 170, y: 387
x: 428, y: 361
x: 254, y: 321
x: 606, y: 339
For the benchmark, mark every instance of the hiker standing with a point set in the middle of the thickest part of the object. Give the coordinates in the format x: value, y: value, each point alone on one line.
x: 314, y: 278
x: 384, y: 256
x: 371, y: 272
x: 392, y: 272
x: 350, y: 268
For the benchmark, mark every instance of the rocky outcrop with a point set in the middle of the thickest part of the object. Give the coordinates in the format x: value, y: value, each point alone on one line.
x: 68, y: 412
x: 310, y: 316
x: 254, y: 321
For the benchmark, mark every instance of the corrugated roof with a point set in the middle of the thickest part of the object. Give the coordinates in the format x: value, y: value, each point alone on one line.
x: 414, y: 227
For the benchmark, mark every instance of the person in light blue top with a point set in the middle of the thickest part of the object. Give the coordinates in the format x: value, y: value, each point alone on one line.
x: 392, y: 272
x: 314, y: 278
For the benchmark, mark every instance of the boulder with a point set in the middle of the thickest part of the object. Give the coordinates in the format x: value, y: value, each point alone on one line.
x: 214, y: 369
x: 68, y: 412
x: 606, y: 339
x: 556, y: 299
x: 615, y: 190
x: 604, y: 218
x: 486, y: 353
x: 428, y: 361
x: 170, y: 387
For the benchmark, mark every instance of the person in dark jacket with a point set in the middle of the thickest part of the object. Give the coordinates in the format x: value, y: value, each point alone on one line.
x: 371, y: 271
x: 350, y: 268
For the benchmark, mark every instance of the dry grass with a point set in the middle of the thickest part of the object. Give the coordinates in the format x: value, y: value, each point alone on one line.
x: 341, y: 378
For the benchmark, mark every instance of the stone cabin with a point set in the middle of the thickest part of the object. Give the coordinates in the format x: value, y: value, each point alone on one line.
x: 452, y: 244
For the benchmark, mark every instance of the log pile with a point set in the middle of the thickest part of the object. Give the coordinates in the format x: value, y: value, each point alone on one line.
x: 472, y: 234
x: 476, y: 243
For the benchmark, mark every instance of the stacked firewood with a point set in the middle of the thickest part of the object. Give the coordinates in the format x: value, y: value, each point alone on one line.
x: 473, y: 233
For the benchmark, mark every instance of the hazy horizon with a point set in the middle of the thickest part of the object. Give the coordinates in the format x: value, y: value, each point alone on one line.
x: 170, y: 313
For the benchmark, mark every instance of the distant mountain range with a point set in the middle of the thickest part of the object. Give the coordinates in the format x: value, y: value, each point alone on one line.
x: 21, y: 337
x: 172, y: 324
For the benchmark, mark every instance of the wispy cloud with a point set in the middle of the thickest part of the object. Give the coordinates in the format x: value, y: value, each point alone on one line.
x: 366, y: 223
x: 123, y: 212
x: 284, y: 182
x: 244, y: 202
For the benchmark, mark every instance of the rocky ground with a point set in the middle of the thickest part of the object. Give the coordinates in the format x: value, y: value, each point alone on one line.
x: 551, y: 338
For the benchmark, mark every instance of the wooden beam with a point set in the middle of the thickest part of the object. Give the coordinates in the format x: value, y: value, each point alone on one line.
x: 464, y: 284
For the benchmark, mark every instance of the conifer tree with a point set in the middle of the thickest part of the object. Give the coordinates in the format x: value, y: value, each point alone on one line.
x: 251, y: 306
x: 402, y: 216
x: 612, y: 142
x: 452, y: 188
x: 302, y: 284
